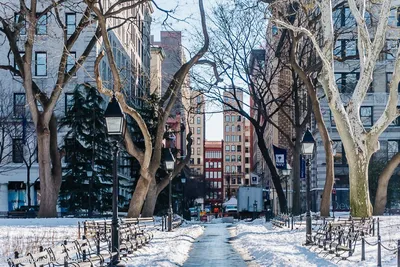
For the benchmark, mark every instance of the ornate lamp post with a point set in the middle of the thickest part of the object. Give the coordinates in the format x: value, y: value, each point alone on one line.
x: 169, y: 166
x: 183, y: 180
x: 89, y: 173
x: 116, y: 126
x: 286, y: 174
x: 308, y: 144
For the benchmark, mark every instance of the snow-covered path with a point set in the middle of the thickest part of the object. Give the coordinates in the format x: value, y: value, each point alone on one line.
x: 214, y: 249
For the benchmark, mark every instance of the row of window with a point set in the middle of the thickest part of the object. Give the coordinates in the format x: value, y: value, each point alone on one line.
x: 213, y: 165
x: 366, y: 115
x: 198, y: 160
x: 346, y: 81
x: 198, y: 130
x: 233, y: 118
x: 211, y: 175
x: 393, y: 147
x: 214, y: 195
x: 198, y: 151
x: 41, y: 25
x: 198, y: 120
x: 213, y: 154
x: 233, y: 148
x: 233, y: 169
x: 232, y: 128
x: 232, y: 158
x: 233, y: 138
x: 214, y: 185
x: 40, y: 63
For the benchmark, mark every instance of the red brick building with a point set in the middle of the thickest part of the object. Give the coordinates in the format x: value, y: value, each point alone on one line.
x: 213, y: 173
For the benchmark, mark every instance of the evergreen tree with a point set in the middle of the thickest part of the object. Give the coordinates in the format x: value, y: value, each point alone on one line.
x: 86, y: 141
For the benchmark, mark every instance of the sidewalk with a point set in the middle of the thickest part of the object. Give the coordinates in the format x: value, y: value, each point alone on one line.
x: 213, y: 249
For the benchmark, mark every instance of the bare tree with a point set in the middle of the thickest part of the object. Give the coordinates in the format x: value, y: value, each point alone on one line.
x: 150, y: 157
x: 359, y: 142
x: 19, y: 25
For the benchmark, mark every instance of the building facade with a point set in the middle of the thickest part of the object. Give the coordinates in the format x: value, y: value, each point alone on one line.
x: 198, y: 128
x: 213, y: 170
x: 131, y: 46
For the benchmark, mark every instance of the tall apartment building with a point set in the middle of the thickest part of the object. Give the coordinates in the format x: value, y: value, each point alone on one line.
x: 197, y: 126
x: 131, y: 46
x: 214, y: 169
x: 234, y: 148
x: 171, y: 43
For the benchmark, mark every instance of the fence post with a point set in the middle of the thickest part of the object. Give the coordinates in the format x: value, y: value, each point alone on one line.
x: 379, y: 249
x: 98, y: 243
x: 373, y: 227
x: 292, y: 221
x: 350, y: 252
x: 16, y: 254
x: 398, y: 253
x: 79, y: 230
x: 84, y: 228
x: 362, y: 246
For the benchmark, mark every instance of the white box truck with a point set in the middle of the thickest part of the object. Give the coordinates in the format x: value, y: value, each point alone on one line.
x: 250, y: 199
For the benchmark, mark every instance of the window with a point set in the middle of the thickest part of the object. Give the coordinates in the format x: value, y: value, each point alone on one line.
x: 342, y: 17
x: 20, y: 19
x: 239, y: 148
x: 388, y: 80
x: 227, y: 118
x: 366, y: 116
x: 40, y: 64
x: 227, y: 138
x: 227, y: 169
x: 19, y: 105
x: 198, y: 99
x: 198, y: 120
x: 15, y: 63
x: 239, y: 158
x: 240, y: 138
x: 198, y: 140
x: 227, y: 158
x: 219, y: 165
x: 238, y: 128
x: 69, y: 102
x: 207, y: 175
x: 396, y: 122
x: 17, y: 153
x: 227, y: 128
x: 207, y: 164
x: 233, y: 158
x: 198, y: 130
x: 70, y: 22
x: 227, y: 148
x: 233, y: 148
x: 246, y: 160
x: 191, y: 160
x: 391, y: 48
x: 41, y: 25
x: 239, y: 118
x: 340, y: 156
x: 346, y: 48
x: 198, y: 161
x: 192, y: 120
x: 70, y: 62
x: 219, y: 176
x: 393, y: 148
x: 233, y: 128
x: 346, y: 82
x: 198, y: 152
x: 246, y: 150
x: 192, y: 150
x: 239, y: 169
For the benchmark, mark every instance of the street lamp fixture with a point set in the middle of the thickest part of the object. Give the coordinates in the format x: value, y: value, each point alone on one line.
x: 286, y: 173
x: 89, y: 171
x: 183, y: 180
x: 116, y: 124
x: 308, y: 144
x: 169, y: 161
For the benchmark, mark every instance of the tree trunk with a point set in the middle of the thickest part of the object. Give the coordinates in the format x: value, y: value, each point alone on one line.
x: 138, y: 197
x: 28, y: 184
x: 275, y: 176
x: 359, y: 193
x: 329, y: 180
x: 296, y: 208
x: 151, y: 200
x: 384, y: 178
x: 49, y: 187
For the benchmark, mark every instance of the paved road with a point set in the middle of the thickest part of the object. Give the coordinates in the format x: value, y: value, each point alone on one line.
x: 213, y: 249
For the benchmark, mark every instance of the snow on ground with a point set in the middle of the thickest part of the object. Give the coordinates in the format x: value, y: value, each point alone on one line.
x: 270, y: 246
x: 26, y: 235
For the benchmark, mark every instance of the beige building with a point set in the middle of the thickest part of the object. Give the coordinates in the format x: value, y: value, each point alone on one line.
x: 157, y: 57
x: 236, y: 148
x: 197, y: 127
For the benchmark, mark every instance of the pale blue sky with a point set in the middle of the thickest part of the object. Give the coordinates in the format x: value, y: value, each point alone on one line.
x: 188, y: 10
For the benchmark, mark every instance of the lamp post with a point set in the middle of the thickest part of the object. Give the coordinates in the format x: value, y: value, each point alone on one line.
x: 286, y: 173
x: 308, y: 144
x: 116, y: 124
x: 89, y: 173
x: 169, y: 165
x: 183, y: 180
